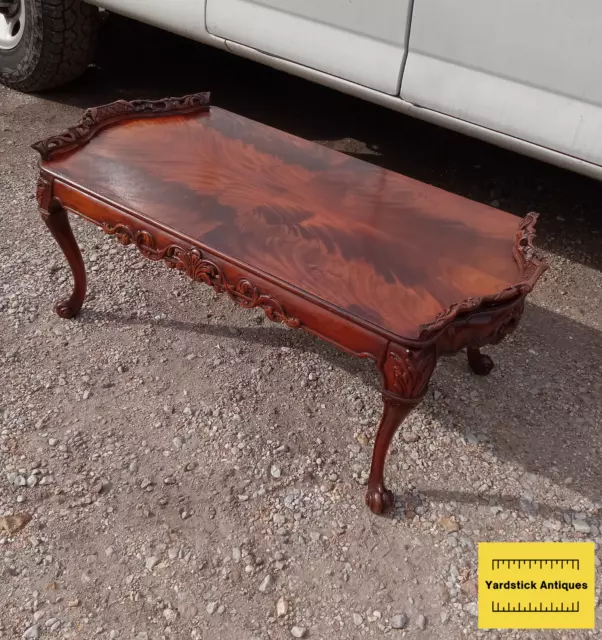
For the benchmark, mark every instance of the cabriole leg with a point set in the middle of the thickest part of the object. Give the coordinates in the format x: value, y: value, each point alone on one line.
x: 378, y: 497
x: 480, y: 363
x: 58, y: 223
x: 406, y: 374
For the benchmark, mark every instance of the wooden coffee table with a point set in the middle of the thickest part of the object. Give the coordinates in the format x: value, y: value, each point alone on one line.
x: 381, y: 265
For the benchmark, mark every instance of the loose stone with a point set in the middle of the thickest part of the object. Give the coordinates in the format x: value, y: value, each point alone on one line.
x: 399, y: 621
x: 32, y: 633
x: 266, y: 584
x: 281, y: 607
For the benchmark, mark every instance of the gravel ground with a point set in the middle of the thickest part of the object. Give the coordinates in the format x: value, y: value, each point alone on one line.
x: 194, y: 471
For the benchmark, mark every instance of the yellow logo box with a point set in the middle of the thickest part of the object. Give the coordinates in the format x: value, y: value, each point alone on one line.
x: 536, y: 585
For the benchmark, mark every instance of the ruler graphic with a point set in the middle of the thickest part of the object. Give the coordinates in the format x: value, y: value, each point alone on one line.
x: 562, y: 563
x: 496, y: 607
x: 537, y: 585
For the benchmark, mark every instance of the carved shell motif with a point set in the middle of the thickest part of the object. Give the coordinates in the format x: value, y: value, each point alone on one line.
x: 196, y: 267
x: 408, y: 371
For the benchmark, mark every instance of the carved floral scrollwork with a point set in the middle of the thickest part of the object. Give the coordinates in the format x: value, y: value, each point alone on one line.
x: 98, y: 117
x: 142, y: 239
x: 525, y: 253
x: 196, y: 266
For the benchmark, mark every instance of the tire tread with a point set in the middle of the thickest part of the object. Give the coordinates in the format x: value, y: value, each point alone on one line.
x: 63, y: 41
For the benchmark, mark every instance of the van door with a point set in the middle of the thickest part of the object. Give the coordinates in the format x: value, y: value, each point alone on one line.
x: 363, y: 41
x: 527, y: 68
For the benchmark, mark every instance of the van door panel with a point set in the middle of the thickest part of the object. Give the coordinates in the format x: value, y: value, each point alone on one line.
x: 363, y: 41
x: 527, y: 68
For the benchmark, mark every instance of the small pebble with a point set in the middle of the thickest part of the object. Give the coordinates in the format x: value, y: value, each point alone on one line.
x: 266, y: 584
x: 581, y: 526
x: 281, y: 607
x: 170, y: 615
x: 399, y: 621
x: 448, y: 524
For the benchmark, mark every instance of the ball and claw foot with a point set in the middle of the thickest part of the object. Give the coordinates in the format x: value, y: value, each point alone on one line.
x: 380, y: 500
x: 65, y: 309
x: 480, y: 363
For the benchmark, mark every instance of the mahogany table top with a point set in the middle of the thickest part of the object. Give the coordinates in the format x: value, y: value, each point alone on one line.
x: 371, y: 244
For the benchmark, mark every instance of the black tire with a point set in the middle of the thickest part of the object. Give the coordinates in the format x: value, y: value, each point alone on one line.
x: 58, y: 43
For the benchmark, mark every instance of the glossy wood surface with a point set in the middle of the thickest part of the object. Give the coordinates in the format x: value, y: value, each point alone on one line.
x: 377, y: 245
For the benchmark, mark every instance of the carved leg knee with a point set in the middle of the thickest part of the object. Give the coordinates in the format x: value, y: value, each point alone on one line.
x: 480, y: 363
x: 58, y: 223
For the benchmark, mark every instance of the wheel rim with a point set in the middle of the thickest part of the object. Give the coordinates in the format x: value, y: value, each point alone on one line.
x: 12, y: 23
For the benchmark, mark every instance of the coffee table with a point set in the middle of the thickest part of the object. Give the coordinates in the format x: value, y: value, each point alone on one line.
x: 378, y: 264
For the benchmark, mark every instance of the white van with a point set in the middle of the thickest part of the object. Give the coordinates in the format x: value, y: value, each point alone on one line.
x: 522, y: 74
